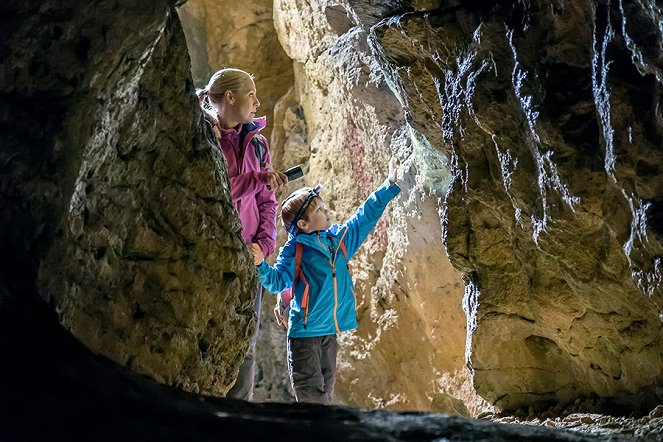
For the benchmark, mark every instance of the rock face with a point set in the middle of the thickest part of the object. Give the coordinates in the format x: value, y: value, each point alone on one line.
x: 529, y: 139
x: 343, y: 122
x: 115, y: 207
x: 538, y: 124
x: 548, y: 112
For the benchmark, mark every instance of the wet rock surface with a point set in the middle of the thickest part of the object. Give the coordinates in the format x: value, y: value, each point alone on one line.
x: 118, y: 240
x: 538, y: 106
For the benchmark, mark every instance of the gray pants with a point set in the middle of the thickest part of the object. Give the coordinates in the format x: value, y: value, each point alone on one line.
x: 312, y: 367
x: 243, y: 388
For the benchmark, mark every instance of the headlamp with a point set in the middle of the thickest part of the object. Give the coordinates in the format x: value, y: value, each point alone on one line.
x: 312, y: 193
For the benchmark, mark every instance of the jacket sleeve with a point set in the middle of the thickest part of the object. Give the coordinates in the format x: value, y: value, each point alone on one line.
x: 267, y: 205
x: 280, y: 276
x: 367, y: 215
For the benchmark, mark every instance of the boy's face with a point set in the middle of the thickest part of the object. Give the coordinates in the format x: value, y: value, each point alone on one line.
x: 317, y: 217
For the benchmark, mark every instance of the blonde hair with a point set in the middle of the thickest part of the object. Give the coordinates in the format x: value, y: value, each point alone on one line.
x: 228, y: 79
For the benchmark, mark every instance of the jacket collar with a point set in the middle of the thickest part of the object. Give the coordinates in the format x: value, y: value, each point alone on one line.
x: 311, y: 239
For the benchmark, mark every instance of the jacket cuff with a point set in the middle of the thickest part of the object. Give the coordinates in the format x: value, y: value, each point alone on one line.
x: 262, y: 177
x: 262, y: 267
x: 392, y: 188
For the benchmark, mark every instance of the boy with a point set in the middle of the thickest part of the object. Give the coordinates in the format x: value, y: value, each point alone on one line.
x: 324, y: 302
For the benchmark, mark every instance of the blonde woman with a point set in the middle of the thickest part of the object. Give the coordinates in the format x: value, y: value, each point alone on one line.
x: 230, y: 102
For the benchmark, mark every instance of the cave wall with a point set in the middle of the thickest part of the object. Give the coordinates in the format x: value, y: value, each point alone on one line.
x: 529, y: 140
x: 115, y: 207
x: 539, y: 125
x: 343, y: 122
x: 550, y: 113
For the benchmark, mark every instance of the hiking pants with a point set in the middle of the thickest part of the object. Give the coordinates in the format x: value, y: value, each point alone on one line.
x: 243, y: 388
x: 312, y: 367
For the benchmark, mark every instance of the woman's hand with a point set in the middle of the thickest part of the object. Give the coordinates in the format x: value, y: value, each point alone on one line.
x: 275, y: 180
x: 258, y: 256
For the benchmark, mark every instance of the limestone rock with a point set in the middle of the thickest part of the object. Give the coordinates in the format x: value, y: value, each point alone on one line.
x: 115, y: 207
x: 553, y: 213
x: 343, y: 118
x: 444, y: 403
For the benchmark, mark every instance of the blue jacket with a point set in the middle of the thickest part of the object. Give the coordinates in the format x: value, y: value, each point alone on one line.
x: 331, y: 292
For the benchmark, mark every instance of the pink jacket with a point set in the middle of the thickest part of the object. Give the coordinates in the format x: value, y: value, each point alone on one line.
x: 255, y: 203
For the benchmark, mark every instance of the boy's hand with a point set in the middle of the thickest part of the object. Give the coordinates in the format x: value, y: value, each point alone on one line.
x: 258, y: 256
x: 393, y: 167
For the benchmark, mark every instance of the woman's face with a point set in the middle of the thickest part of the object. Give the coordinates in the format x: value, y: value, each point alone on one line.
x: 245, y: 104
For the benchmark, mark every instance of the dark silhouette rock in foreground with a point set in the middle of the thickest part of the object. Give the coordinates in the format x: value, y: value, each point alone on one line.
x: 53, y: 388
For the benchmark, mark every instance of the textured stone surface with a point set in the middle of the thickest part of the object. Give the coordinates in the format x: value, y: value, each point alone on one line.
x: 343, y: 122
x: 444, y: 403
x: 548, y: 113
x: 115, y: 207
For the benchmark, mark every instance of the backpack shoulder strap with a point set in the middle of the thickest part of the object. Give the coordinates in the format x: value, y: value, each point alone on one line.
x: 299, y: 250
x: 259, y: 147
x: 341, y: 244
x: 299, y: 274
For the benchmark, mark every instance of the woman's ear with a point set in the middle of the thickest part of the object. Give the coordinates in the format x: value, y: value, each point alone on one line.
x: 229, y: 96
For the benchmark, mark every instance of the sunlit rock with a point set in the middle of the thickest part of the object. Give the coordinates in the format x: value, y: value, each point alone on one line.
x: 548, y: 113
x: 344, y: 120
x: 444, y: 403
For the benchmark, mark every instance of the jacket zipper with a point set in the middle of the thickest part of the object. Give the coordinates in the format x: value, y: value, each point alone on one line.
x: 333, y: 269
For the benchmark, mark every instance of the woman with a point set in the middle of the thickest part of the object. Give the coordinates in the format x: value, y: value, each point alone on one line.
x: 230, y: 102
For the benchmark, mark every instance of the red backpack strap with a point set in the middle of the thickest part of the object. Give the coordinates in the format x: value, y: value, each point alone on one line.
x: 341, y: 244
x: 299, y: 249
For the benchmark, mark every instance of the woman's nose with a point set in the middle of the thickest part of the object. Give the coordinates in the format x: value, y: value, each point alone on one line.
x: 257, y: 102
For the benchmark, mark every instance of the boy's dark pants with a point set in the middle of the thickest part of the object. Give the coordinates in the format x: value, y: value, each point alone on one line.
x: 312, y: 367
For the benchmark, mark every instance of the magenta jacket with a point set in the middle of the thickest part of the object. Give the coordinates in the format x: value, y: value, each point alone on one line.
x: 255, y: 203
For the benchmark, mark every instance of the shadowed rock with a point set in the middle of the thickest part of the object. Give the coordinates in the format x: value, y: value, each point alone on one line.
x: 115, y: 207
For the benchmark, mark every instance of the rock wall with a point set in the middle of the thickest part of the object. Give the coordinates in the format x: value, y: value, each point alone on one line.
x: 537, y: 122
x: 343, y: 122
x: 115, y: 207
x: 549, y: 114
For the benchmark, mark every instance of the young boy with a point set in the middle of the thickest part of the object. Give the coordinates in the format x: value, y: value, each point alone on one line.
x: 324, y: 302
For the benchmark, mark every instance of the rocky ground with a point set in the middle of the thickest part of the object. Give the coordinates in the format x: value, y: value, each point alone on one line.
x: 648, y: 427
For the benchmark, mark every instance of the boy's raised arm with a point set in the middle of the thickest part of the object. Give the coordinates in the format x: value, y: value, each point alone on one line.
x: 367, y: 215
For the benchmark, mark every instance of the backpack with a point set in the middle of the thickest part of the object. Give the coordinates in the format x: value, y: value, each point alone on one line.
x: 283, y: 300
x: 258, y: 141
